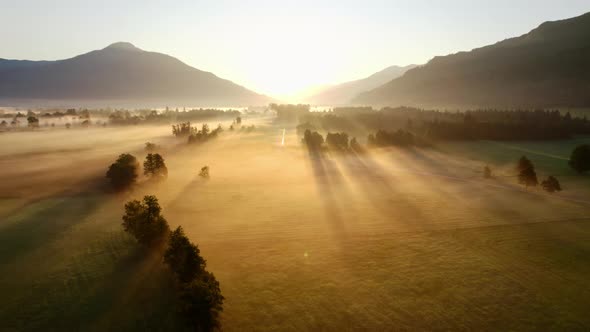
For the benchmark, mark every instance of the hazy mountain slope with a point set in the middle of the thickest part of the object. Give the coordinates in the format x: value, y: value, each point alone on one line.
x: 550, y: 66
x: 120, y: 72
x: 343, y: 93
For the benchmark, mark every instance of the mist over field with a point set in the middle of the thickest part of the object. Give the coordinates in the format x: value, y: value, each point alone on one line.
x: 301, y: 166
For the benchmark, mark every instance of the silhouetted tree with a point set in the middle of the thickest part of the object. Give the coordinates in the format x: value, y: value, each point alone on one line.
x: 154, y: 166
x: 201, y: 302
x: 551, y: 184
x: 33, y: 121
x: 580, y: 158
x: 204, y: 173
x: 123, y: 173
x: 337, y: 140
x: 239, y: 120
x: 151, y: 147
x: 3, y: 124
x: 183, y: 257
x: 487, y: 172
x: 355, y: 146
x: 313, y: 140
x: 145, y: 222
x: 526, y: 172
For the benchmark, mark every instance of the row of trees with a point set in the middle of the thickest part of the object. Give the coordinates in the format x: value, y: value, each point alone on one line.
x: 527, y: 176
x: 124, y: 172
x: 199, y: 294
x: 194, y: 134
x: 435, y: 125
x: 401, y: 138
x: 335, y: 141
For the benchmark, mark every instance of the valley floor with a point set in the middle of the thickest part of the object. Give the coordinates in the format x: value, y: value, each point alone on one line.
x: 388, y: 240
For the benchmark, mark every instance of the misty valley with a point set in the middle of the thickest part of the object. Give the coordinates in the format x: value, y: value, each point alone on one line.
x: 357, y: 166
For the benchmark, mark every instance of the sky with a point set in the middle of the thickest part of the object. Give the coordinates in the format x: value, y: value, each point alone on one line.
x: 279, y: 48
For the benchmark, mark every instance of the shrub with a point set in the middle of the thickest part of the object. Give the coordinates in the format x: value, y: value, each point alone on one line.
x: 204, y: 173
x: 123, y: 173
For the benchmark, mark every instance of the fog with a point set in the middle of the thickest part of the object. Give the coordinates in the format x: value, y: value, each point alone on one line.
x: 288, y: 232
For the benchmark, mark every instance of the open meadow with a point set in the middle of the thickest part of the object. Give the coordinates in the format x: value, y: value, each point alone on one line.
x: 392, y: 239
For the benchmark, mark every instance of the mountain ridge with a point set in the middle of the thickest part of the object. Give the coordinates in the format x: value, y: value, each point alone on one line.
x: 547, y: 67
x: 342, y: 93
x: 120, y: 72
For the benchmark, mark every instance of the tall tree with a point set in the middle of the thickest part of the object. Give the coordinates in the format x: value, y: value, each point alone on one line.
x: 145, y: 222
x: 154, y: 166
x: 183, y: 257
x: 123, y: 173
x: 526, y: 172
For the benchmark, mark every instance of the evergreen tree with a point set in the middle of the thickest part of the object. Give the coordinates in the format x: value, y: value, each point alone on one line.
x: 551, y: 184
x: 526, y: 172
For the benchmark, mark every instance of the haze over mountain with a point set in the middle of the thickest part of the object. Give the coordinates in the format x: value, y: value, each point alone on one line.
x: 344, y: 92
x: 547, y: 67
x: 120, y: 74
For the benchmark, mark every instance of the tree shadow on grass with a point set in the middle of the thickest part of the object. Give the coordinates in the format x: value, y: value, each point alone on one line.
x: 39, y: 223
x: 378, y: 185
x: 328, y: 179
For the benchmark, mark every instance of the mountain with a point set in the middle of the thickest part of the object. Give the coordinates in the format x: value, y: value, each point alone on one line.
x: 547, y: 67
x: 344, y: 92
x: 120, y: 74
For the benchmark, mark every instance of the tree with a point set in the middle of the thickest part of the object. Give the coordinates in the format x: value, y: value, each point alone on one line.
x: 68, y: 125
x: 123, y: 173
x: 487, y: 172
x: 526, y: 172
x: 355, y: 146
x: 551, y: 184
x: 33, y: 121
x: 313, y: 140
x: 151, y: 147
x: 201, y: 302
x: 337, y: 140
x: 580, y: 158
x: 182, y: 257
x: 239, y: 120
x: 145, y: 222
x: 204, y: 173
x: 154, y: 166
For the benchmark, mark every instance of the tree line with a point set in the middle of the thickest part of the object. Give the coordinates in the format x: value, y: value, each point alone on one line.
x: 436, y: 125
x: 199, y: 296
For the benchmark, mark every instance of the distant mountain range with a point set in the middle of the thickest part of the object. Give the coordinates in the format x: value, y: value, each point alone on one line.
x: 120, y: 74
x: 547, y: 67
x: 343, y: 93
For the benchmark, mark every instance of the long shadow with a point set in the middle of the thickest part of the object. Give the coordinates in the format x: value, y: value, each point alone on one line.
x: 325, y: 174
x: 144, y: 296
x: 27, y: 231
x: 376, y: 182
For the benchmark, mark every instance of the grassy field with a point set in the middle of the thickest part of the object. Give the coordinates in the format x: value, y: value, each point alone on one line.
x: 390, y: 240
